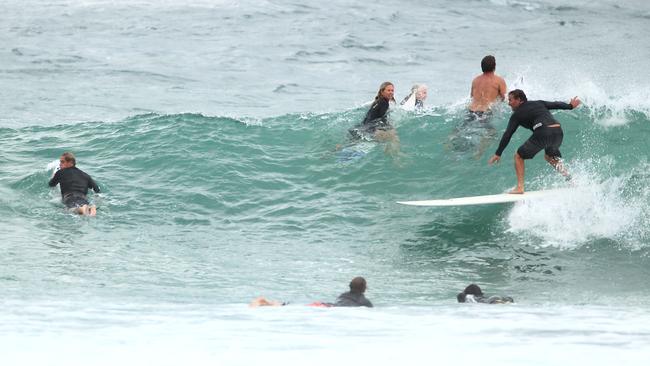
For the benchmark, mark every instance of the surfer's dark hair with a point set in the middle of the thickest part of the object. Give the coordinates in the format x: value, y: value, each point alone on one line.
x: 383, y: 86
x: 518, y: 94
x: 473, y: 289
x: 69, y: 158
x: 358, y: 285
x: 488, y: 63
x: 461, y: 297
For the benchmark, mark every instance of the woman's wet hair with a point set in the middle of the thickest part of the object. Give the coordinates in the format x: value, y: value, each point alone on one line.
x: 383, y: 86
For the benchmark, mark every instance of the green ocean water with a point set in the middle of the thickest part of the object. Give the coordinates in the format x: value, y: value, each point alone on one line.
x: 218, y: 209
x: 212, y: 129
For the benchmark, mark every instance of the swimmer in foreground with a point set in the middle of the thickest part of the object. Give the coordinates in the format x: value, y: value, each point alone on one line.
x: 354, y: 297
x: 74, y: 186
x: 547, y: 133
x: 474, y: 294
x: 419, y: 92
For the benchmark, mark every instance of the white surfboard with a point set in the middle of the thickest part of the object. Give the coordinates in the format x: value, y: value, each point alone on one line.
x: 409, y: 104
x: 484, y: 200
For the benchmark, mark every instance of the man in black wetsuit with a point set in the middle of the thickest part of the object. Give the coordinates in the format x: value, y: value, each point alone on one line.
x: 547, y: 133
x: 354, y: 297
x: 74, y: 185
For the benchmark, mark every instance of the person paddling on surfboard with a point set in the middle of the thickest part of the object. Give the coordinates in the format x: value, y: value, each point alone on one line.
x: 353, y: 298
x: 74, y: 185
x: 547, y: 133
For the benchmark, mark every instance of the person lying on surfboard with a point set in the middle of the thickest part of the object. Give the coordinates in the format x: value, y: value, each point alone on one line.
x: 474, y: 294
x: 354, y: 297
x: 74, y: 185
x: 547, y: 133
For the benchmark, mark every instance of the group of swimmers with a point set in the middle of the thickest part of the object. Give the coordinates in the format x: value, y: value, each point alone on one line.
x: 356, y: 297
x: 487, y: 90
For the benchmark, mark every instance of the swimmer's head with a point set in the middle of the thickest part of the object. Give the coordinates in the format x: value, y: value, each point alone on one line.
x: 488, y: 63
x: 473, y: 290
x: 358, y: 285
x: 386, y: 91
x: 67, y: 160
x: 420, y: 91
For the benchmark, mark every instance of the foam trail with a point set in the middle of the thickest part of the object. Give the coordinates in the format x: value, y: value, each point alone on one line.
x: 611, y: 209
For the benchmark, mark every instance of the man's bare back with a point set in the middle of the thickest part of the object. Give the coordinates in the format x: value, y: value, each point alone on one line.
x: 487, y: 88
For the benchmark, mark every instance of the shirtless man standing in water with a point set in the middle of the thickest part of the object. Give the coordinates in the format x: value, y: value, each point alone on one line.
x: 487, y: 88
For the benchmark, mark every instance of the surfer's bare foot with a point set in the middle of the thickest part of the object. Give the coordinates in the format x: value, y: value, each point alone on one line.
x: 518, y: 190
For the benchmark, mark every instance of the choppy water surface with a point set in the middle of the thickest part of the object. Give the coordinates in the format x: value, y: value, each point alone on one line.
x: 211, y: 128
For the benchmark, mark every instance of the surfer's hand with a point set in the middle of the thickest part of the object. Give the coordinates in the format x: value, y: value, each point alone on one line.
x: 494, y: 159
x: 575, y: 102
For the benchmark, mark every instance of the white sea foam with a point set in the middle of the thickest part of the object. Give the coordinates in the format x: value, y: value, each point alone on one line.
x: 596, y: 207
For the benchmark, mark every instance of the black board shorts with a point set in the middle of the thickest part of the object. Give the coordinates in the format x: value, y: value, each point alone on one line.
x: 74, y: 201
x: 547, y: 138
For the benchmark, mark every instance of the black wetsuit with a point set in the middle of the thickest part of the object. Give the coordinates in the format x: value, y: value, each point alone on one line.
x: 535, y: 116
x: 375, y: 119
x: 74, y: 186
x: 352, y: 299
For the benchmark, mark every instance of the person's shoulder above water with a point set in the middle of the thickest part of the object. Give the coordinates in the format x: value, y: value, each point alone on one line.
x: 354, y: 297
x: 474, y: 294
x: 487, y: 88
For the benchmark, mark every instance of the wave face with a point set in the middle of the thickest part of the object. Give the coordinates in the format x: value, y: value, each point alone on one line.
x: 274, y: 197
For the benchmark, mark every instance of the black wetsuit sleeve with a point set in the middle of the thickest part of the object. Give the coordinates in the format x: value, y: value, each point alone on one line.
x: 557, y: 105
x: 378, y: 109
x: 55, y: 179
x: 93, y: 185
x: 366, y: 302
x: 507, y: 135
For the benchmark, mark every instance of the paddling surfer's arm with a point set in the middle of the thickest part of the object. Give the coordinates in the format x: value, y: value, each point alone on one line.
x: 55, y: 179
x: 92, y: 185
x: 513, y: 124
